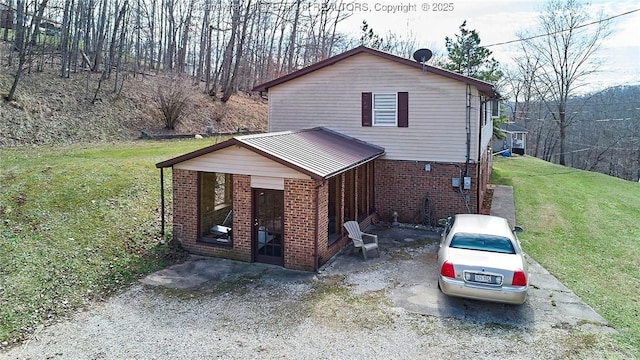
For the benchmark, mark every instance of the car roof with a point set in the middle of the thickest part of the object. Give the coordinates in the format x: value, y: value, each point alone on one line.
x: 482, y: 224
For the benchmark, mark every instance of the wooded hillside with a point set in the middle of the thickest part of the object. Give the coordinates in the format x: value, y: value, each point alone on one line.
x: 50, y: 110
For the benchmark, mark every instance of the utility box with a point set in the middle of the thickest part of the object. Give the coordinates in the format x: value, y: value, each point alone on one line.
x: 455, y: 182
x: 466, y: 185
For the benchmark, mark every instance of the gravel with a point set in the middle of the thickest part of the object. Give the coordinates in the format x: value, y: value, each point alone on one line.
x: 344, y: 312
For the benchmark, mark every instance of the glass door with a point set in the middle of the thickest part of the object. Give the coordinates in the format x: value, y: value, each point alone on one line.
x: 268, y: 226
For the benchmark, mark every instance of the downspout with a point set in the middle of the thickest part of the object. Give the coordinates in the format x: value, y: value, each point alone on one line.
x: 479, y: 161
x: 162, y: 202
x: 316, y: 256
x: 468, y: 124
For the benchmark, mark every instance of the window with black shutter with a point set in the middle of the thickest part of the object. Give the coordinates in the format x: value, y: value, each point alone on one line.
x: 385, y: 109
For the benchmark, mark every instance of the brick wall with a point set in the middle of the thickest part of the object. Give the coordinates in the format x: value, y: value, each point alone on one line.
x: 299, y: 221
x: 299, y: 224
x: 401, y: 185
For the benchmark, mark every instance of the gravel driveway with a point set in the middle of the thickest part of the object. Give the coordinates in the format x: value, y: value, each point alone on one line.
x: 387, y: 307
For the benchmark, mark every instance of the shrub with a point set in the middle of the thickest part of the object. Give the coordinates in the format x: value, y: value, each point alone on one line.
x: 172, y: 103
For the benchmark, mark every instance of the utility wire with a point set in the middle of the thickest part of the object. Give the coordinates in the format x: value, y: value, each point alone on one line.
x: 563, y: 30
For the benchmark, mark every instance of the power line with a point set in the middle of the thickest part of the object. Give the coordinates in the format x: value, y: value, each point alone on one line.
x: 563, y: 30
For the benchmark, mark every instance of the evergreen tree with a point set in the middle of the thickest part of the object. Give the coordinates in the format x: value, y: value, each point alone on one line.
x: 467, y: 57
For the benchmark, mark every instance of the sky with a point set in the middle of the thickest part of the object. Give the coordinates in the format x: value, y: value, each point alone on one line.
x: 498, y: 21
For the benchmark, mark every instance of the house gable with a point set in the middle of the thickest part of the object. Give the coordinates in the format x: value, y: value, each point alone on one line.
x: 481, y: 85
x: 239, y: 160
x: 332, y: 97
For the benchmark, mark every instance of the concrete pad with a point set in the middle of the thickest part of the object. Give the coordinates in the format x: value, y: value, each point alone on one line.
x: 407, y: 272
x: 199, y: 272
x: 502, y: 203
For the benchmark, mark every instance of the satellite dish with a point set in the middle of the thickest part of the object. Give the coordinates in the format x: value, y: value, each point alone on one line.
x: 422, y: 55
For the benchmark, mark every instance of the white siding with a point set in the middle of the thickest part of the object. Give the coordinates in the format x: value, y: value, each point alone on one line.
x: 238, y: 160
x: 331, y: 97
x: 266, y: 182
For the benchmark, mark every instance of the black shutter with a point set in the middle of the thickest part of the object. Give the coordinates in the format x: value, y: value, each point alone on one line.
x: 403, y: 109
x: 366, y: 108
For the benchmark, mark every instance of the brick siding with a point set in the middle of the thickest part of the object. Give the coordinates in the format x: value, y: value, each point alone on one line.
x: 299, y: 224
x: 401, y: 186
x: 299, y: 221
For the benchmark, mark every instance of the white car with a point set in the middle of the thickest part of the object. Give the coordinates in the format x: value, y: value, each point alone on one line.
x: 480, y: 258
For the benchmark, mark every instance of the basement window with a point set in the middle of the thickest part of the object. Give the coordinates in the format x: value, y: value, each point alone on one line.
x: 215, y: 207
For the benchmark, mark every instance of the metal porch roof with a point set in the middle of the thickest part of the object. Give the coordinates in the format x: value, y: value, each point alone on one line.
x: 318, y: 152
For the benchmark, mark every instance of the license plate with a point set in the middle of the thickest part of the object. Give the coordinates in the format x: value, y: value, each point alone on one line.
x: 482, y: 278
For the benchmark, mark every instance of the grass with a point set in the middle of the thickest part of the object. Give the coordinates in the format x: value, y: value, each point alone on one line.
x: 77, y: 223
x: 584, y: 227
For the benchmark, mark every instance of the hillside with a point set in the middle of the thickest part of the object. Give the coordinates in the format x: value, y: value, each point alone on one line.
x: 583, y: 228
x: 55, y: 111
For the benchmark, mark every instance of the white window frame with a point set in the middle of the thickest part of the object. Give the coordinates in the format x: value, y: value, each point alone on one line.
x: 495, y: 103
x: 373, y: 110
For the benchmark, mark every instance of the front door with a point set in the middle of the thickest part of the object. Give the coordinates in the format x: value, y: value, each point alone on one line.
x: 268, y: 228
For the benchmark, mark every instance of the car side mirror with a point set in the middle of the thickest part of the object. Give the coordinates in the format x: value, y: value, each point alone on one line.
x: 517, y: 229
x: 443, y: 222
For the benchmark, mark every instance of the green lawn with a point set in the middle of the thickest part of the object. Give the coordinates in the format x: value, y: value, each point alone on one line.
x: 77, y: 223
x: 584, y: 227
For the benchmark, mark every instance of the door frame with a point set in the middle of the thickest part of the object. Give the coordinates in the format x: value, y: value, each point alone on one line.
x: 273, y: 260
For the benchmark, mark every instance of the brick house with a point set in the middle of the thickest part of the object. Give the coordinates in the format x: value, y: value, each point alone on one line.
x: 359, y: 136
x: 276, y: 198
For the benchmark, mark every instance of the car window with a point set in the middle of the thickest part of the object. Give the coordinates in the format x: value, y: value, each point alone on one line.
x: 449, y: 225
x: 482, y: 242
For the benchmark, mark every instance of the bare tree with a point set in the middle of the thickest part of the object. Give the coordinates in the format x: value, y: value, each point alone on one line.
x: 566, y: 57
x: 101, y: 34
x: 28, y: 33
x: 231, y: 80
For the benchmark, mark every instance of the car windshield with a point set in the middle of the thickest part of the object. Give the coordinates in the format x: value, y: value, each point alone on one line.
x: 482, y: 242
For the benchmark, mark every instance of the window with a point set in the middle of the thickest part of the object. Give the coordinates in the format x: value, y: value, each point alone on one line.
x: 350, y: 195
x: 385, y: 109
x: 482, y: 242
x: 484, y: 111
x: 216, y: 207
x: 495, y: 108
x: 335, y: 208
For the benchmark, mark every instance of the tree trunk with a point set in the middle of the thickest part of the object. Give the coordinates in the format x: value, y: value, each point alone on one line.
x: 292, y: 37
x: 26, y: 47
x: 231, y: 85
x: 182, y: 52
x: 227, y: 61
x: 100, y: 37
